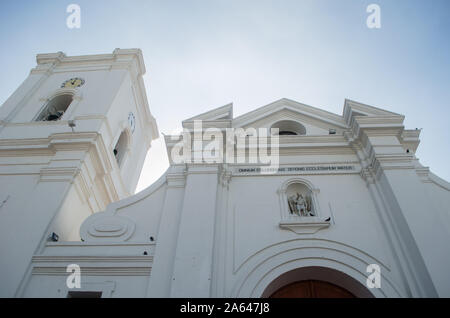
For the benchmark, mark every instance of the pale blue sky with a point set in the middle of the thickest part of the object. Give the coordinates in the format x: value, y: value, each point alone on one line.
x: 203, y: 54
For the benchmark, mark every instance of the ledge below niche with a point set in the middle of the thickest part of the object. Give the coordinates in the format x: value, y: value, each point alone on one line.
x: 304, y: 226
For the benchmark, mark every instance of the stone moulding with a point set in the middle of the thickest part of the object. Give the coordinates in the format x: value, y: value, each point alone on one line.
x: 104, y: 227
x: 304, y: 226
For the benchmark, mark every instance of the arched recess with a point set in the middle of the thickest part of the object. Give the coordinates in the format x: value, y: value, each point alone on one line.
x: 319, y: 274
x: 58, y: 104
x: 122, y: 147
x: 295, y: 184
x: 255, y: 275
x: 289, y: 127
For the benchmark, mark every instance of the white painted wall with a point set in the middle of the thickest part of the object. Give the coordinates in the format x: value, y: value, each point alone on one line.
x: 221, y: 233
x: 53, y: 178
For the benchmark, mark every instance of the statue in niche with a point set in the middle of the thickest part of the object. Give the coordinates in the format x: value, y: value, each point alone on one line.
x: 300, y: 205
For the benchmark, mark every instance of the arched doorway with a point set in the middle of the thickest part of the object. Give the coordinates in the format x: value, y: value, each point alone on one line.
x: 312, y: 289
x: 316, y: 282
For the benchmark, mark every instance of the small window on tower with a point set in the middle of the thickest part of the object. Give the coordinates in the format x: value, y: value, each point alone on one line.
x: 55, y: 108
x: 121, y: 148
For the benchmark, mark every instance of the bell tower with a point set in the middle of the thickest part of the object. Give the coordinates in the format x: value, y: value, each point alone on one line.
x: 73, y: 138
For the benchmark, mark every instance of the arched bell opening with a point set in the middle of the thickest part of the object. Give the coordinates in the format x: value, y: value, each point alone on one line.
x: 55, y: 108
x: 121, y: 148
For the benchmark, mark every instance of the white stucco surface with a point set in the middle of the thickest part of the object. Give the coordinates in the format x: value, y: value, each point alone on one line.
x: 210, y: 229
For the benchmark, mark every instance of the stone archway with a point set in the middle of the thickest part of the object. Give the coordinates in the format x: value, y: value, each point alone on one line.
x: 316, y: 282
x: 312, y: 289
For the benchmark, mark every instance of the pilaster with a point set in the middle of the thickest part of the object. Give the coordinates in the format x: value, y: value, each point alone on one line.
x: 194, y: 251
x: 166, y: 241
x: 389, y: 171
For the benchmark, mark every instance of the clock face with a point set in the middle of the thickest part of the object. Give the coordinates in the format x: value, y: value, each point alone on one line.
x: 73, y: 83
x: 131, y: 122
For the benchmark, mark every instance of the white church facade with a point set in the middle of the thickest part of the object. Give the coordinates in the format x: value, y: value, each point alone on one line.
x: 330, y: 201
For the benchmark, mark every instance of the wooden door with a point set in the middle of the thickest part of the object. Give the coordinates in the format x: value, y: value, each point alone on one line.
x: 312, y: 289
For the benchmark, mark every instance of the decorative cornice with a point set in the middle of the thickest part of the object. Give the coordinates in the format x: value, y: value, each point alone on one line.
x: 221, y: 113
x: 63, y: 174
x: 353, y: 109
x: 176, y: 180
x: 123, y: 265
x: 393, y: 161
x: 376, y: 126
x: 306, y: 226
x: 52, y: 169
x: 118, y: 57
x: 91, y: 259
x: 220, y: 124
x: 95, y: 271
x: 202, y: 168
x: 102, y: 245
x: 410, y: 139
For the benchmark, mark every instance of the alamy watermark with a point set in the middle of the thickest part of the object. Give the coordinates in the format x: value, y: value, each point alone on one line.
x: 73, y: 21
x: 374, y: 278
x: 74, y: 279
x: 374, y: 19
x: 228, y: 145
